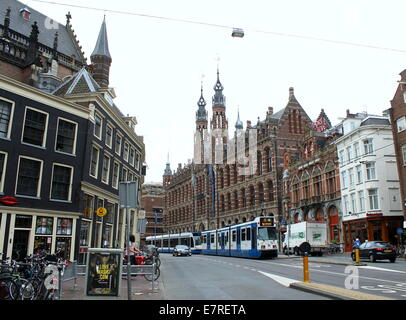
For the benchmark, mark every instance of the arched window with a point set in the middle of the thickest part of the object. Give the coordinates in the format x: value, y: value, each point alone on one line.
x: 228, y: 176
x: 222, y: 203
x: 236, y: 205
x: 259, y: 163
x: 261, y: 193
x: 228, y: 201
x: 243, y: 197
x: 252, y: 195
x: 270, y: 190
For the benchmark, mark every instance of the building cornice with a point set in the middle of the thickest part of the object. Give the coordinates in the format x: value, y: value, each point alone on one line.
x: 37, y: 95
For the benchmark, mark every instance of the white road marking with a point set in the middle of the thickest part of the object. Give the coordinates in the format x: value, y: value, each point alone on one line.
x: 381, y: 269
x: 282, y: 280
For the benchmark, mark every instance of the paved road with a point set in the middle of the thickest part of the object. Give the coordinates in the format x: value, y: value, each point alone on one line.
x: 221, y: 278
x: 211, y: 277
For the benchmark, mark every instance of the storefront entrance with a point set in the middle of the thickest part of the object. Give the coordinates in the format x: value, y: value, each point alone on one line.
x: 20, y: 244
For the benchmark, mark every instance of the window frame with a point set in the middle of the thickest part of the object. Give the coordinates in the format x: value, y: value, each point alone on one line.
x: 70, y: 182
x: 376, y: 196
x: 3, y: 172
x: 131, y: 160
x: 115, y: 182
x: 368, y: 144
x: 44, y: 138
x: 97, y: 162
x: 74, y: 139
x: 370, y: 167
x: 118, y: 136
x: 98, y: 115
x: 403, y: 150
x: 10, y: 122
x: 400, y: 129
x: 126, y: 156
x: 38, y: 193
x: 361, y: 200
x: 109, y: 126
x: 105, y: 155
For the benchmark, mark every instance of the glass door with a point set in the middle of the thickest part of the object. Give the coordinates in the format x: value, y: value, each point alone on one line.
x: 20, y: 244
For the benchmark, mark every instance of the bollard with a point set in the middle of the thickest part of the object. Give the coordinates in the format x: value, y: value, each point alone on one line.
x: 357, y: 256
x: 305, y: 267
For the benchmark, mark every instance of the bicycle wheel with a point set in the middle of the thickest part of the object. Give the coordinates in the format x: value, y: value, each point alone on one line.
x: 5, y: 288
x: 15, y: 288
x: 156, y: 275
x: 27, y: 291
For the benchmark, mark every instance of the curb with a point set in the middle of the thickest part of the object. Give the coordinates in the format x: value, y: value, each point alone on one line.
x: 335, y: 293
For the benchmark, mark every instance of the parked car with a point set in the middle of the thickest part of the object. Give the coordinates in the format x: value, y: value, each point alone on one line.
x: 376, y: 250
x: 181, y: 250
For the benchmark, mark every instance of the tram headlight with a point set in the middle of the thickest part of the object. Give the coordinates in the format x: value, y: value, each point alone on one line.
x: 263, y: 247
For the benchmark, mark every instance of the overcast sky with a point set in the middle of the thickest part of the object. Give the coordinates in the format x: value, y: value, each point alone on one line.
x: 158, y: 64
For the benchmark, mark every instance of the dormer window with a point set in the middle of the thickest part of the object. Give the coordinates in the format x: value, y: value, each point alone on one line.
x: 25, y: 13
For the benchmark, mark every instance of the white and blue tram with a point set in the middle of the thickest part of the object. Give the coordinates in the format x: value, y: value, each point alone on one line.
x: 253, y: 239
x: 167, y: 242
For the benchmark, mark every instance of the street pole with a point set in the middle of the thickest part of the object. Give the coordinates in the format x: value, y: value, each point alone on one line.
x: 128, y: 250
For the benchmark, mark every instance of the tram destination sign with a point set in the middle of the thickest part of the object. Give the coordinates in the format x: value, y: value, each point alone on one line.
x: 266, y: 222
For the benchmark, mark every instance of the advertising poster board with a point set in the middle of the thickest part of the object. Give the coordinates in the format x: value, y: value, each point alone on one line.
x: 103, y: 272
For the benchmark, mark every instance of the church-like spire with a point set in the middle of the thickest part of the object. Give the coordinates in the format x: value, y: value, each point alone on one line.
x: 201, y: 114
x: 239, y: 124
x: 101, y: 58
x: 219, y: 100
x: 102, y: 45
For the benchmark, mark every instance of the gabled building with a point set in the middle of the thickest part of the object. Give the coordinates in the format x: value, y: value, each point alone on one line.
x: 64, y: 144
x: 311, y: 181
x: 370, y: 190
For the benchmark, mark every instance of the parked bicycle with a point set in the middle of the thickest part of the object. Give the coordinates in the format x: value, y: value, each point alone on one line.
x: 147, y: 259
x: 35, y: 278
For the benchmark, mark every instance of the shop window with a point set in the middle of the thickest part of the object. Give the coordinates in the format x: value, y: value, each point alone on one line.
x: 23, y: 221
x: 84, y: 233
x: 88, y: 206
x: 44, y: 225
x: 64, y: 226
x: 42, y: 245
x: 63, y: 246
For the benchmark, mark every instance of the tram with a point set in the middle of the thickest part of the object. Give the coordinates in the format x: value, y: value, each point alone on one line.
x: 254, y: 239
x: 167, y: 242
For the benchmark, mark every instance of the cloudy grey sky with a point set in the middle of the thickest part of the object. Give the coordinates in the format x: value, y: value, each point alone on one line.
x: 158, y: 64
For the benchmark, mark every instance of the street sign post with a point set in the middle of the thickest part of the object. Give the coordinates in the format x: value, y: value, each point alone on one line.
x: 128, y: 193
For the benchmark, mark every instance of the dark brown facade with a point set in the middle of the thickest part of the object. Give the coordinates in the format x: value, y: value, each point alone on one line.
x: 398, y: 121
x: 152, y: 201
x: 203, y: 196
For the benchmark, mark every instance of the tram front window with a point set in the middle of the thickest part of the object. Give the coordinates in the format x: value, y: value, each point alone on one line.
x: 266, y: 233
x: 198, y: 241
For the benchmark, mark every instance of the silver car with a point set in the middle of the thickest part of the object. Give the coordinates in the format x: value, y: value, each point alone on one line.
x: 181, y: 250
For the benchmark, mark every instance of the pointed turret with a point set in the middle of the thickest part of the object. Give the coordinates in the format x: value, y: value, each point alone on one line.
x: 101, y: 58
x: 219, y: 100
x: 201, y: 113
x: 239, y: 124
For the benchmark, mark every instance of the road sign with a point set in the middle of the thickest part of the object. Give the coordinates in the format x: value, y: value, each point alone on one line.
x: 101, y: 212
x: 128, y: 193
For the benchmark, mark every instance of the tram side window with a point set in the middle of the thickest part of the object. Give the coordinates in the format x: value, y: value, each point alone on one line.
x: 212, y: 238
x: 243, y: 231
x: 234, y: 235
x: 173, y: 242
x: 166, y: 242
x: 204, y: 240
x: 248, y: 234
x: 226, y: 237
x: 184, y: 241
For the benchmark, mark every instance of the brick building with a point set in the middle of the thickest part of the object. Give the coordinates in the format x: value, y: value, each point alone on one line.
x: 152, y: 202
x: 311, y: 181
x: 207, y: 196
x: 398, y: 121
x: 64, y: 144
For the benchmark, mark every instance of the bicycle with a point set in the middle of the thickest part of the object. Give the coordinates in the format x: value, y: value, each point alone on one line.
x: 146, y: 260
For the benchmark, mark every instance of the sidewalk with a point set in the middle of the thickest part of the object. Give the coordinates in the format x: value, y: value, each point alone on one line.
x: 140, y: 287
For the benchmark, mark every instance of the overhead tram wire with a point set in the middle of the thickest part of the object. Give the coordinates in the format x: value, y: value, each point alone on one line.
x: 281, y: 34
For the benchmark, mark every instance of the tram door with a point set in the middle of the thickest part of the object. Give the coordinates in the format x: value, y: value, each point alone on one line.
x: 238, y: 240
x: 253, y: 238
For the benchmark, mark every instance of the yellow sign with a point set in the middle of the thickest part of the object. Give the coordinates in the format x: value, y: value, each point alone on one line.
x: 101, y: 212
